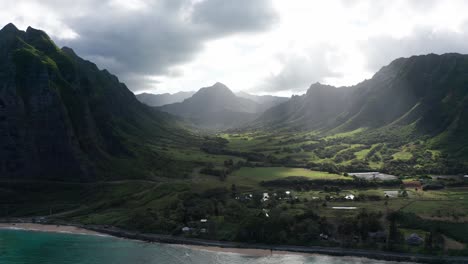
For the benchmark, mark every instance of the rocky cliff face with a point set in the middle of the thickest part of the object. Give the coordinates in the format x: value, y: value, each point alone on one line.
x: 62, y: 118
x: 36, y: 137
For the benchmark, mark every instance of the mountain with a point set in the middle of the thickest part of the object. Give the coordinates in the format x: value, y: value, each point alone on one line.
x: 318, y: 108
x: 62, y: 118
x: 266, y: 101
x: 163, y: 99
x: 215, y: 108
x: 429, y: 91
x: 427, y: 94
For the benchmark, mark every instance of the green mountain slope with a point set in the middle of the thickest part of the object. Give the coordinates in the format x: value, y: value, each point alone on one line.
x: 425, y: 93
x: 63, y: 118
x: 319, y: 108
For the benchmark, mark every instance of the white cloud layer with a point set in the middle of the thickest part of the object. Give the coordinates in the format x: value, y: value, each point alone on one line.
x: 263, y: 46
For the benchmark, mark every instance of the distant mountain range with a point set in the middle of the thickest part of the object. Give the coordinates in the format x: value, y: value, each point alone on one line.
x: 218, y: 108
x: 163, y: 99
x: 267, y: 101
x: 62, y: 118
x: 427, y: 95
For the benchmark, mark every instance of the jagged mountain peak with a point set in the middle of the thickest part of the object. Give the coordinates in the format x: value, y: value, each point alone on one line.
x: 217, y: 91
x: 318, y: 87
x: 10, y: 27
x: 219, y: 85
x: 69, y: 51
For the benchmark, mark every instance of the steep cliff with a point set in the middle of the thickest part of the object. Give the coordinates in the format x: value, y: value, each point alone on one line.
x: 62, y: 118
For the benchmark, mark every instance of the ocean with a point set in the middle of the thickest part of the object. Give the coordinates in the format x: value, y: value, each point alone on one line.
x: 32, y: 247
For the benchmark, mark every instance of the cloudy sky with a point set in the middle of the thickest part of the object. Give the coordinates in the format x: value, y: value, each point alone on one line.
x: 261, y: 46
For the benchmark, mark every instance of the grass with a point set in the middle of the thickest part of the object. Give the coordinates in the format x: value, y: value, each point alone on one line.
x: 251, y: 176
x: 449, y: 205
x: 195, y: 155
x: 346, y: 134
x: 360, y: 155
x: 402, y: 155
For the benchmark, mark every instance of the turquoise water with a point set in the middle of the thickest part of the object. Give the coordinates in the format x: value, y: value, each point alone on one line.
x: 29, y: 247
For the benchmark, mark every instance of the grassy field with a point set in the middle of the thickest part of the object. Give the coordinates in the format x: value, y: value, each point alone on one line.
x: 256, y: 175
x: 402, y: 155
x: 197, y: 155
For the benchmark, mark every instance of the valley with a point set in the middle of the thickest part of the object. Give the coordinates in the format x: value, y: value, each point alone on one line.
x: 378, y: 166
x: 288, y: 193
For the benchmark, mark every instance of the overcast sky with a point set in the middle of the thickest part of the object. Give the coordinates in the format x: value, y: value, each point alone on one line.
x: 261, y: 46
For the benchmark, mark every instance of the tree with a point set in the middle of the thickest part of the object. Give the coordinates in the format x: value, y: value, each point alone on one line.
x: 233, y: 190
x: 428, y: 241
x: 394, y: 235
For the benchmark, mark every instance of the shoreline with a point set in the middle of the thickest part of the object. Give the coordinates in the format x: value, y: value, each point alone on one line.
x: 230, y: 247
x: 64, y: 229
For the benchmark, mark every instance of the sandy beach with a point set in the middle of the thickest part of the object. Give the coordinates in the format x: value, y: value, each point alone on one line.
x: 244, y: 251
x: 49, y: 228
x: 82, y: 231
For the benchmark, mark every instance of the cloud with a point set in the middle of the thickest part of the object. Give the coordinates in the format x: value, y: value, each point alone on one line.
x: 299, y: 70
x: 381, y: 50
x: 239, y: 15
x: 151, y: 40
x: 136, y: 38
x: 257, y: 45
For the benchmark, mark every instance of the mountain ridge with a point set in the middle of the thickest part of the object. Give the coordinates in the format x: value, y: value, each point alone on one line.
x: 163, y: 99
x: 426, y: 91
x: 65, y: 119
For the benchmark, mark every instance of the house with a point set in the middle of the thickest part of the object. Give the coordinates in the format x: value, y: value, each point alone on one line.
x: 203, y: 220
x: 323, y: 236
x: 414, y: 240
x: 412, y: 184
x: 186, y: 229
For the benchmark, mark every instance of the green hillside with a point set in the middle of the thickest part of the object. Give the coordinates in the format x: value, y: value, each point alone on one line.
x: 68, y: 120
x: 421, y: 97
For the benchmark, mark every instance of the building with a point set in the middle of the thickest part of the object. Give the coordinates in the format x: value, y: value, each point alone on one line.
x: 324, y: 236
x: 414, y: 240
